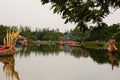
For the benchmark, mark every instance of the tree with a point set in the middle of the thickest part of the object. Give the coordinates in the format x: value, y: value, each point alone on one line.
x: 100, y: 33
x: 3, y: 30
x: 83, y: 11
x: 104, y: 32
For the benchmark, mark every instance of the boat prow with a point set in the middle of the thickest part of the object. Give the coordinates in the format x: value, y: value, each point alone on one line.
x: 7, y: 51
x: 9, y: 42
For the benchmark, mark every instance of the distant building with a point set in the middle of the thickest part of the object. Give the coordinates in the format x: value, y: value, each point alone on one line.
x: 69, y: 36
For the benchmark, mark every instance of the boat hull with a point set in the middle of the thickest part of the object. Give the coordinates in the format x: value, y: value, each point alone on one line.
x: 6, y: 51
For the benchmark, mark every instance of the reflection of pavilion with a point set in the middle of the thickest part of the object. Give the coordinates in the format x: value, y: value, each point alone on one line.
x: 77, y: 52
x: 8, y: 68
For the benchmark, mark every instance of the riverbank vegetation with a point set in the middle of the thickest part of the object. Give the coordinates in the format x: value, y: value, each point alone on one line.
x: 91, y: 37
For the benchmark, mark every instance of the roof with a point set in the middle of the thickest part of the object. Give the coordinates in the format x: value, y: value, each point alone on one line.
x: 69, y: 36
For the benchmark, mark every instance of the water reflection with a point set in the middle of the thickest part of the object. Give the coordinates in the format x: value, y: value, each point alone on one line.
x: 44, y: 60
x: 101, y: 56
x: 105, y: 57
x: 9, y: 68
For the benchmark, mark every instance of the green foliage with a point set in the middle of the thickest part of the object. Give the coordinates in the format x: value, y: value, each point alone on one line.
x: 83, y: 11
x: 50, y: 35
x: 3, y: 30
x: 91, y: 45
x: 26, y: 32
x: 44, y: 34
x: 104, y: 32
x: 100, y: 33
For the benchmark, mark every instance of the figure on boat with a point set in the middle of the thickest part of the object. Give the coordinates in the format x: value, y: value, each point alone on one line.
x: 24, y: 42
x: 112, y: 46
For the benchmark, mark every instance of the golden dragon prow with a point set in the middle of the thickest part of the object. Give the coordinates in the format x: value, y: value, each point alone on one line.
x: 9, y: 40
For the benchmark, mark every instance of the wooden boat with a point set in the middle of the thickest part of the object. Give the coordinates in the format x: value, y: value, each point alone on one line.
x: 9, y: 42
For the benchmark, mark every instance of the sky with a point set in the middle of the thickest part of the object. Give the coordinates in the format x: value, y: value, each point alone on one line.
x: 33, y: 14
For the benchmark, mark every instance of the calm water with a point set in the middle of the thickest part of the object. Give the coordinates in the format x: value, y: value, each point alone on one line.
x: 60, y: 63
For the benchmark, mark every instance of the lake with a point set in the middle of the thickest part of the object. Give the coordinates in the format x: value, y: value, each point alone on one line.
x: 60, y: 63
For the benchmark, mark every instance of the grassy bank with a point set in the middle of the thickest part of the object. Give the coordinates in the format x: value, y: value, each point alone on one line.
x: 90, y: 45
x: 96, y: 45
x: 47, y: 42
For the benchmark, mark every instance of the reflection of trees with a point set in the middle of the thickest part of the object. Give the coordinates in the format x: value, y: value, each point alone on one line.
x: 100, y: 56
x: 80, y: 52
x: 43, y: 49
x: 8, y: 68
x: 77, y: 52
x: 103, y: 56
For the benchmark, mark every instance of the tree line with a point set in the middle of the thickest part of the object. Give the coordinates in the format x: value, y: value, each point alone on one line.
x: 38, y: 34
x: 103, y: 32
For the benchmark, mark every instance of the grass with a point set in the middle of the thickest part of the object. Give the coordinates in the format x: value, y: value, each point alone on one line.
x: 94, y: 45
x: 47, y: 42
x: 91, y: 45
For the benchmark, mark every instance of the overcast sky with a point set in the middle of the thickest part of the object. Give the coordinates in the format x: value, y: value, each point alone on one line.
x: 32, y: 13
